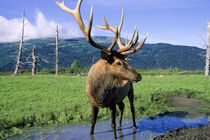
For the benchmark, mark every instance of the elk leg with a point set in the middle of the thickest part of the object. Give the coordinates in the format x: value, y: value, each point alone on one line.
x: 113, y: 123
x: 130, y: 97
x: 121, y: 107
x: 94, y: 118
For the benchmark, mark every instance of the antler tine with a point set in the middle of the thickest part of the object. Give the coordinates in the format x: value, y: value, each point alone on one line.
x: 136, y: 39
x: 86, y: 32
x: 129, y: 45
x: 121, y: 46
x: 107, y: 26
x: 90, y: 40
x: 63, y: 6
x: 121, y: 21
x: 137, y: 48
x: 114, y: 42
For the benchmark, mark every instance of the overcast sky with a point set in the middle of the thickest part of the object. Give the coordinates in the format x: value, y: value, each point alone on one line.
x: 181, y: 22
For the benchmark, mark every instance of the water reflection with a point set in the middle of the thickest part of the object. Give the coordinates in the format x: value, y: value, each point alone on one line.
x: 147, y: 128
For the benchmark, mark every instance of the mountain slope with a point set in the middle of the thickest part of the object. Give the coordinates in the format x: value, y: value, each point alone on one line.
x: 151, y: 56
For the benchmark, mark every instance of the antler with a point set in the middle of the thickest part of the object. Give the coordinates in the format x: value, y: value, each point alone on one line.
x: 86, y: 32
x: 125, y: 50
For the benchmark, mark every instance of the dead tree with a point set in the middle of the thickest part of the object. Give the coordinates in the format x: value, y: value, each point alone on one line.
x: 208, y: 51
x: 20, y: 47
x: 34, y: 62
x: 56, y: 52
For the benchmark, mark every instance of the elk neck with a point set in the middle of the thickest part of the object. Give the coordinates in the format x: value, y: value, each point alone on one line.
x: 100, y: 74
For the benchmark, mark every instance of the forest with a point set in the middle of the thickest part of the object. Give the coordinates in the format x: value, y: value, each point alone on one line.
x: 151, y: 56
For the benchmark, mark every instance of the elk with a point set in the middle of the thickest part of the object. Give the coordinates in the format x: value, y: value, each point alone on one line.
x: 110, y: 79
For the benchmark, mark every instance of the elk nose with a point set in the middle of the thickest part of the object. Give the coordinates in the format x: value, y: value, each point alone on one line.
x: 139, y: 77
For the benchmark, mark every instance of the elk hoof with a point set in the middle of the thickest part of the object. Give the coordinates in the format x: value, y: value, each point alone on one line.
x: 134, y: 127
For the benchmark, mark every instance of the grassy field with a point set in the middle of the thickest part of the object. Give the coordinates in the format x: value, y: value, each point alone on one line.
x: 27, y: 101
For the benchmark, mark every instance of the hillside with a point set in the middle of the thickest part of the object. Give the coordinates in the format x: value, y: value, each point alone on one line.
x: 151, y: 56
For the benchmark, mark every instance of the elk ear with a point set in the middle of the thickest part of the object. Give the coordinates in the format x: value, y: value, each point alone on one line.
x: 105, y: 56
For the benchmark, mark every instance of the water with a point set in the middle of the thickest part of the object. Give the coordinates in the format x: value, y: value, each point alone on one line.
x: 147, y: 128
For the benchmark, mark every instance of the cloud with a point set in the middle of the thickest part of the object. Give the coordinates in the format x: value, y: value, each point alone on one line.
x: 10, y: 30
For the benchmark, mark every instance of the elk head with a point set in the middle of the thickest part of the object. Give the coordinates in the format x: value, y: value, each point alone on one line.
x: 118, y: 67
x: 115, y: 59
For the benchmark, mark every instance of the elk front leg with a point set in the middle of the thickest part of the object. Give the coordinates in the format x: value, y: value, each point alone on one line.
x: 130, y: 97
x: 121, y: 107
x: 94, y: 118
x: 113, y: 123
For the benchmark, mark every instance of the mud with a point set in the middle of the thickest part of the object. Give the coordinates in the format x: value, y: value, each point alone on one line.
x: 182, y: 101
x: 193, y: 107
x: 198, y: 133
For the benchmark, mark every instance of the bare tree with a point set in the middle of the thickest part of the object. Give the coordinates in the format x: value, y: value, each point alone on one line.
x: 56, y: 52
x: 34, y: 62
x: 20, y: 46
x: 207, y: 51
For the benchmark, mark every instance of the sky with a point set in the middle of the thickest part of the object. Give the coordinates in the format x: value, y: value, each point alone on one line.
x: 179, y: 22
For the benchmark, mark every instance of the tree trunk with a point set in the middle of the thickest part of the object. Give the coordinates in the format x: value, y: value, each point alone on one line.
x: 20, y: 47
x: 34, y: 62
x: 56, y: 51
x: 207, y: 51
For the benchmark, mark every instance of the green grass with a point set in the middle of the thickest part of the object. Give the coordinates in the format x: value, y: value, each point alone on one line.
x: 27, y: 101
x: 170, y: 71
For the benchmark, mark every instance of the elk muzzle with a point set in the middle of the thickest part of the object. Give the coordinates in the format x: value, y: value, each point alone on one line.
x: 138, y: 78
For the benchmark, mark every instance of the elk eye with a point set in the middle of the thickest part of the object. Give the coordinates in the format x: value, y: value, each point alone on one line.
x: 118, y: 63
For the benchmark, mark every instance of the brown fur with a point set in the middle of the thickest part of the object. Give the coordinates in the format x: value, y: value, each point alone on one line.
x: 109, y: 84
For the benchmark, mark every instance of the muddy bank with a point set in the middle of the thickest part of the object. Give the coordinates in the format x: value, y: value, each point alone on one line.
x: 182, y: 101
x: 193, y: 107
x: 198, y: 133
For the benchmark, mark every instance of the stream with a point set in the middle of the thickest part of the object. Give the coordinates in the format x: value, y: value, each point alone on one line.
x: 147, y: 128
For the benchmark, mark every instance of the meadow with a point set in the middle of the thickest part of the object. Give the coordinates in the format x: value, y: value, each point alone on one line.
x: 27, y: 101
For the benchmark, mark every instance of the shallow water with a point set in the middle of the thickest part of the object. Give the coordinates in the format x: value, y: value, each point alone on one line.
x: 147, y: 128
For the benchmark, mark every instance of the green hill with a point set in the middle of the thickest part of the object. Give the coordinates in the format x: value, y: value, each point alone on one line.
x: 151, y: 56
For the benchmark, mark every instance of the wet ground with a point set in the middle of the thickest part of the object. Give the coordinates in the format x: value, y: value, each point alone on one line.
x: 189, y: 114
x: 147, y: 128
x: 194, y: 108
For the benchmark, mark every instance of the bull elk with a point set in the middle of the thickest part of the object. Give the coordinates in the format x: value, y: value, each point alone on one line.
x: 110, y: 80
